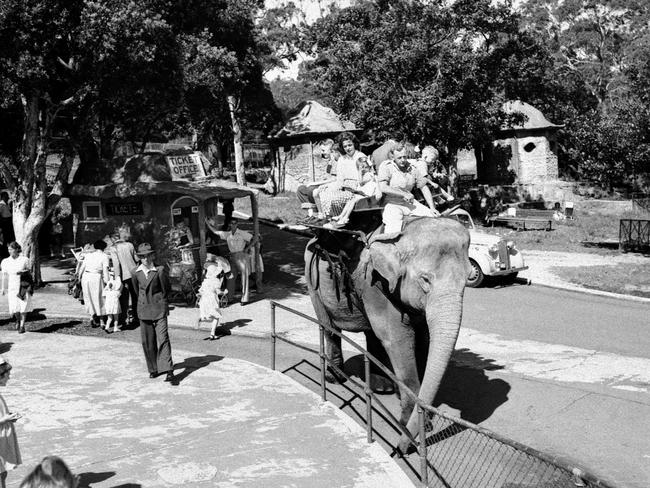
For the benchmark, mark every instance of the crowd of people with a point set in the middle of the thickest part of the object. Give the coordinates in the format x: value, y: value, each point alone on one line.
x: 407, y: 181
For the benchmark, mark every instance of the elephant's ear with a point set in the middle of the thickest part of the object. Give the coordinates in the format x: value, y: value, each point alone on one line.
x: 384, y: 258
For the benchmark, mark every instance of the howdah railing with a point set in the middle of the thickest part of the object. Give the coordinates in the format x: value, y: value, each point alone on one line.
x: 453, y: 453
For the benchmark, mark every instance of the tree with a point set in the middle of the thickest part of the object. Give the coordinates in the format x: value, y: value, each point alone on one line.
x: 62, y: 62
x: 428, y: 69
x: 589, y: 39
x: 597, y: 48
x: 223, y: 68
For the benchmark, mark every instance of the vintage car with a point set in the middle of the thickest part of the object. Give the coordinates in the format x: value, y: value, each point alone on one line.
x: 489, y: 255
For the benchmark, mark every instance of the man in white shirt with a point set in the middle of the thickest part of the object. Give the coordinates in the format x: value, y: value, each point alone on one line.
x: 124, y: 260
x: 239, y: 244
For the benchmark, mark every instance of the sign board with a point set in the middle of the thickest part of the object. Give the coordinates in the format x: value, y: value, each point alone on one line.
x: 176, y: 211
x: 185, y: 166
x: 195, y: 209
x: 121, y: 208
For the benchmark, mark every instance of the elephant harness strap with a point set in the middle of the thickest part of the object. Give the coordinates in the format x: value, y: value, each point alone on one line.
x: 338, y: 268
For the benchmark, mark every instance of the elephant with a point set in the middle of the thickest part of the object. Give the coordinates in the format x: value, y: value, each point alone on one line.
x: 405, y: 294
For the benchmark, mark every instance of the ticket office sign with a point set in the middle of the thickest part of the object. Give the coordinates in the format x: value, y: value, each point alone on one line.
x: 185, y: 166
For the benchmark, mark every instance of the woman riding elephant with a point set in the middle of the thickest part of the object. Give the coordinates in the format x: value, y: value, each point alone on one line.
x: 335, y: 195
x: 393, y: 292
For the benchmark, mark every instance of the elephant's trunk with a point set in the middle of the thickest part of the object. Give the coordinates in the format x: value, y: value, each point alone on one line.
x: 444, y: 310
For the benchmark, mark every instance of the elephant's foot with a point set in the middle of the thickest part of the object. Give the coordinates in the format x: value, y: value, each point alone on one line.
x: 333, y: 376
x: 381, y: 385
x: 405, y: 447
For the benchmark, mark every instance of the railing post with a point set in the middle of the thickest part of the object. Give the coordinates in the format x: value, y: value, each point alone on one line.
x: 273, y: 336
x: 368, y: 392
x: 323, y: 362
x: 422, y: 448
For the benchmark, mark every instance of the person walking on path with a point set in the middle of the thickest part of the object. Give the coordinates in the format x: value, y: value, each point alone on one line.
x: 124, y: 260
x: 9, y: 452
x: 240, y: 243
x: 210, y: 295
x: 56, y: 238
x: 112, y: 292
x: 94, y: 276
x: 152, y: 284
x: 19, y: 294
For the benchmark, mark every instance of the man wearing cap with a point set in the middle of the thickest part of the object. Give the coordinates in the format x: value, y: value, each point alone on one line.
x: 152, y: 285
x: 397, y: 178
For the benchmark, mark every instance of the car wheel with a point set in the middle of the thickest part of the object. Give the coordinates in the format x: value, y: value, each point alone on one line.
x: 476, y: 276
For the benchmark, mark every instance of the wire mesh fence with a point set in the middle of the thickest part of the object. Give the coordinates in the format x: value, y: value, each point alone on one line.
x: 453, y: 453
x: 465, y: 456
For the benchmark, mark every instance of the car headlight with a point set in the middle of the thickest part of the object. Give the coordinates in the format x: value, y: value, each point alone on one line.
x: 494, y: 250
x: 511, y: 245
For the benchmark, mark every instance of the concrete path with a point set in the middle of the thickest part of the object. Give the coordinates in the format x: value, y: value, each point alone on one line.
x: 228, y: 423
x: 585, y: 422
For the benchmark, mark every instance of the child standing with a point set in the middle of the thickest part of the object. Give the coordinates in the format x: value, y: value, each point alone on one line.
x: 209, y: 295
x: 112, y: 292
x: 9, y: 452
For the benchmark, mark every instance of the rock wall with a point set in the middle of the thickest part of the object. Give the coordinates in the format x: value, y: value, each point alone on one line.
x: 537, y: 162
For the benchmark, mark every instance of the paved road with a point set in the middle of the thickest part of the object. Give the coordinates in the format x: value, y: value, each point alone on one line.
x: 564, y: 372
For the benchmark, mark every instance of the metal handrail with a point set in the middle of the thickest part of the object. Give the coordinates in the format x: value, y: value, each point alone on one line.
x: 579, y: 475
x: 370, y: 396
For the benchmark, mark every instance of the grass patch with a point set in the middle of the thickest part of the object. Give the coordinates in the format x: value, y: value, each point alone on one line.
x: 281, y: 208
x: 629, y: 279
x: 594, y: 222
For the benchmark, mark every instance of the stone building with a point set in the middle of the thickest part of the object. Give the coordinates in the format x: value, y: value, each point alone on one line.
x: 298, y: 147
x: 525, y: 154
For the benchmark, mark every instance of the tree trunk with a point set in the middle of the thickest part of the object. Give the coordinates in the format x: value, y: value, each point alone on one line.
x: 236, y: 135
x: 26, y: 229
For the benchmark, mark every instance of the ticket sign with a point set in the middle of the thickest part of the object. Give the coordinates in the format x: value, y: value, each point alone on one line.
x: 185, y: 166
x: 131, y: 208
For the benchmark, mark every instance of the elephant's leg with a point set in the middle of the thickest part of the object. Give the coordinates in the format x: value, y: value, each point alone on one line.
x: 379, y: 382
x: 398, y: 340
x: 333, y: 349
x: 334, y: 353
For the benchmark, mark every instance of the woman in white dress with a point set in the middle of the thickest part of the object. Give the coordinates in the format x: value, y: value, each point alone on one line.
x: 94, y: 276
x: 13, y: 267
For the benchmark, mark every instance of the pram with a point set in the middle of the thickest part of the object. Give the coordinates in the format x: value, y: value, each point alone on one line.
x: 182, y: 279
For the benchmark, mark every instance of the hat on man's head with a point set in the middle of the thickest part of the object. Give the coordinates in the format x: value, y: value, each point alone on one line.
x: 144, y: 249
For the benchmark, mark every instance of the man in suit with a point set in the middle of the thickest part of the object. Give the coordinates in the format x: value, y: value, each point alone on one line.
x: 152, y: 285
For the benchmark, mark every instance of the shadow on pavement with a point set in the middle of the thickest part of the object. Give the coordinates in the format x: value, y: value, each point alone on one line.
x: 225, y: 328
x: 57, y: 326
x: 88, y: 478
x: 191, y: 364
x: 7, y: 321
x: 465, y: 386
x: 36, y: 315
x: 5, y: 347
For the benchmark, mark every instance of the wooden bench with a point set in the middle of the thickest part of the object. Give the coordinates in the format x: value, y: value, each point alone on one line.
x: 525, y: 219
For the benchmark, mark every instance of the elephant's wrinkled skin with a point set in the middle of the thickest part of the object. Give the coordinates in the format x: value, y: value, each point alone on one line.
x: 396, y: 287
